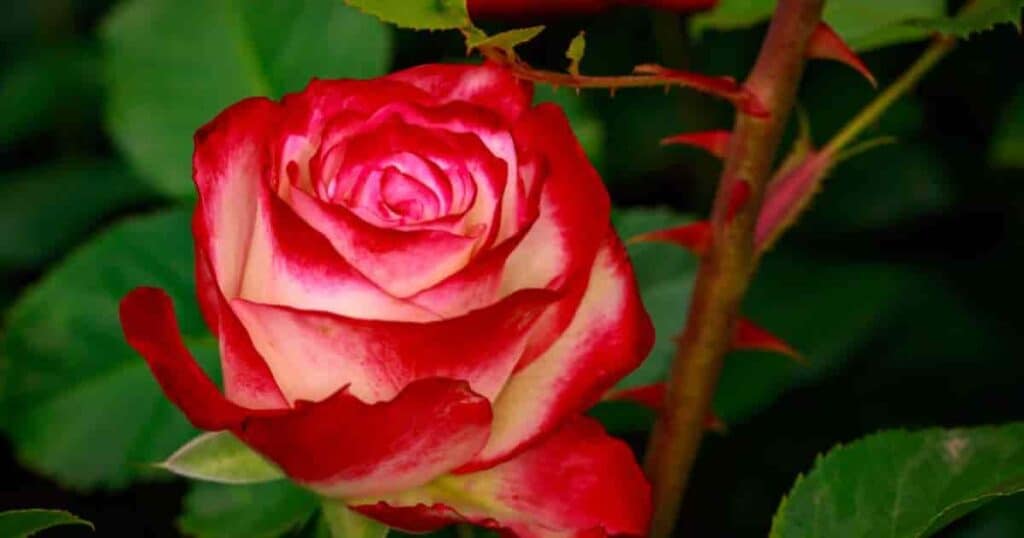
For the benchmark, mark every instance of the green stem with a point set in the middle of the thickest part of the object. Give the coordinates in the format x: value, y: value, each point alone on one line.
x: 725, y: 271
x: 870, y: 114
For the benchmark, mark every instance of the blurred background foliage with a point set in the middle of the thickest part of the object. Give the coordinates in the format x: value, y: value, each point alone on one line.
x: 901, y: 285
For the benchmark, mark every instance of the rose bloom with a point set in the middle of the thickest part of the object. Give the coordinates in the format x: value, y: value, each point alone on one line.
x: 417, y: 292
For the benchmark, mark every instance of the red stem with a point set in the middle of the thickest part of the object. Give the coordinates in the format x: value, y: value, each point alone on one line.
x: 725, y: 272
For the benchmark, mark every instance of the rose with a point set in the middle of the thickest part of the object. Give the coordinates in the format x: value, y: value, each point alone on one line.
x: 505, y: 9
x: 416, y: 292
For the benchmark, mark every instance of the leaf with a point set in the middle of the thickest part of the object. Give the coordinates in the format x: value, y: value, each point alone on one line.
x: 174, y: 64
x: 1008, y: 141
x: 574, y: 53
x: 77, y: 403
x: 345, y: 523
x: 221, y: 457
x: 977, y: 16
x: 22, y: 523
x: 254, y: 511
x: 505, y: 40
x: 48, y: 86
x: 44, y: 210
x: 903, y: 484
x: 862, y: 25
x: 418, y: 14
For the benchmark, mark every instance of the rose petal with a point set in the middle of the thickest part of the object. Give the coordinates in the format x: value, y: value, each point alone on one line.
x: 375, y: 359
x: 402, y: 261
x: 342, y: 447
x: 291, y: 264
x: 489, y: 85
x: 608, y: 337
x: 147, y: 318
x: 578, y: 483
x: 432, y: 426
x: 229, y: 165
x: 573, y: 204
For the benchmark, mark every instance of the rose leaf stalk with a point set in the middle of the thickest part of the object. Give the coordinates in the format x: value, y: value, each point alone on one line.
x: 725, y: 272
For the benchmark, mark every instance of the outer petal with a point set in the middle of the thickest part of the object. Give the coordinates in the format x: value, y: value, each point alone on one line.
x: 574, y: 206
x: 432, y: 426
x: 229, y: 165
x: 147, y: 318
x: 342, y: 447
x: 577, y: 483
x: 608, y: 337
x: 491, y: 86
x: 376, y: 359
x: 247, y: 379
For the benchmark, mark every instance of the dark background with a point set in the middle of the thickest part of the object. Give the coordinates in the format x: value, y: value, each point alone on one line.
x: 932, y: 203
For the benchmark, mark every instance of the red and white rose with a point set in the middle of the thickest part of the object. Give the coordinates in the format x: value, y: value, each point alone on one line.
x: 416, y: 291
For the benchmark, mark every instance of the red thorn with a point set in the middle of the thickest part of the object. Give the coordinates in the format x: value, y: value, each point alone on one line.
x: 738, y: 197
x: 724, y: 87
x: 650, y: 396
x: 714, y: 142
x: 826, y: 44
x: 750, y: 337
x: 653, y: 397
x: 694, y: 236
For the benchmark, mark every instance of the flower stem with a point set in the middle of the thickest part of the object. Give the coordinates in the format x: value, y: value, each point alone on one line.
x: 725, y: 271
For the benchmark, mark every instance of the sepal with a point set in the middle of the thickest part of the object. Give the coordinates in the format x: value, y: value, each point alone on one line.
x: 220, y: 457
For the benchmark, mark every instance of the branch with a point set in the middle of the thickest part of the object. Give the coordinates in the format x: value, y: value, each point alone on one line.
x: 726, y: 270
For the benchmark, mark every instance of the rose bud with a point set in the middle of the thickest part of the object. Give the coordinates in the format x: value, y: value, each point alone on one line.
x: 416, y: 292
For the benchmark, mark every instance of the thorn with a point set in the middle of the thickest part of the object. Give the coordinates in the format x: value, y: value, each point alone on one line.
x: 750, y: 337
x: 611, y: 92
x: 714, y: 423
x: 713, y: 142
x: 693, y: 236
x: 725, y: 87
x: 738, y: 197
x: 826, y: 44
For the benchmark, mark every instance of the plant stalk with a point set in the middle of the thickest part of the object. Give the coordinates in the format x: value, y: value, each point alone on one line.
x: 725, y: 271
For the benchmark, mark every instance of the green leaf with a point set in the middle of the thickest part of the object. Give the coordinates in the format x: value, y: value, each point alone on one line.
x: 575, y: 52
x: 46, y: 87
x: 345, y: 523
x: 1008, y: 141
x: 254, y: 511
x: 22, y: 523
x: 44, y: 210
x: 418, y: 14
x: 903, y: 484
x: 221, y: 457
x: 505, y: 40
x: 76, y: 402
x: 174, y: 64
x: 977, y: 16
x: 863, y: 25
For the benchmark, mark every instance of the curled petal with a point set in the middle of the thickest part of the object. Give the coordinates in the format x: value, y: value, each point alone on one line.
x: 608, y: 337
x: 431, y: 427
x: 579, y: 483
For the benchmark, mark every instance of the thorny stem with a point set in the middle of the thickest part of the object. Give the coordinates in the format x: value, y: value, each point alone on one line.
x: 725, y: 271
